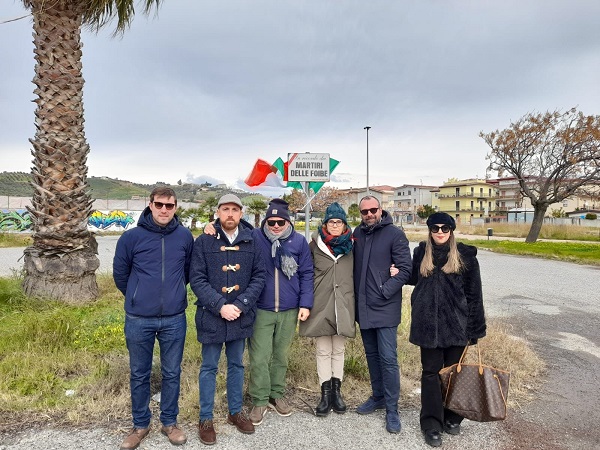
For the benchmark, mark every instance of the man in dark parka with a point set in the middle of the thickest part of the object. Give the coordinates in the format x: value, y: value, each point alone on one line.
x: 378, y: 245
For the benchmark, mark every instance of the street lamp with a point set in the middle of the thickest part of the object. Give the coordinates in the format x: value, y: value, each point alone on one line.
x: 367, y: 128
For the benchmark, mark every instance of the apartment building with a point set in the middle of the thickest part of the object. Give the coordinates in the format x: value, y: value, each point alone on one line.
x: 383, y: 193
x: 408, y: 198
x: 468, y: 199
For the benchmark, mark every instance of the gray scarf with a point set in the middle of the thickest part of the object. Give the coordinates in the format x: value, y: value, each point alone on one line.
x: 283, y: 260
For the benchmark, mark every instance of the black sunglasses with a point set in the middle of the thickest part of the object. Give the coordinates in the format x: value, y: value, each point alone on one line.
x: 435, y: 228
x: 364, y: 212
x: 272, y: 223
x: 159, y: 205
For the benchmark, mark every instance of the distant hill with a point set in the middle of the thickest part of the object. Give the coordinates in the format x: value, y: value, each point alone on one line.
x: 17, y: 184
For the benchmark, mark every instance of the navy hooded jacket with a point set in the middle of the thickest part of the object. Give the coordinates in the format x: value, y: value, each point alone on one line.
x: 151, y: 267
x: 379, y: 295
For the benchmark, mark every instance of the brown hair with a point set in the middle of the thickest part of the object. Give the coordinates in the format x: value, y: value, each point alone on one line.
x: 453, y: 265
x: 162, y: 191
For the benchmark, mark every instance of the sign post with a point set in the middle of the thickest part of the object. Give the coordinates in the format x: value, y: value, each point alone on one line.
x: 307, y: 168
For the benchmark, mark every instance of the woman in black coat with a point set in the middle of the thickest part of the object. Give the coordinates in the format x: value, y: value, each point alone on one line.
x: 447, y: 314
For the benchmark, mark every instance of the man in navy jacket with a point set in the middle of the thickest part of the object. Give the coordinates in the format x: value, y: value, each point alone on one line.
x: 227, y: 275
x: 150, y: 268
x: 379, y: 245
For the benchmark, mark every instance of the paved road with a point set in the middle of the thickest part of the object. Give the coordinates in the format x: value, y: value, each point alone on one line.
x: 552, y: 304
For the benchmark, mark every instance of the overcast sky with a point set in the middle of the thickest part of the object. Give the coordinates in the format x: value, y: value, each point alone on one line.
x: 207, y: 87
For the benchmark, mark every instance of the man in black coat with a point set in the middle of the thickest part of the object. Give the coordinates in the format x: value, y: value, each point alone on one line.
x: 227, y: 275
x: 379, y: 245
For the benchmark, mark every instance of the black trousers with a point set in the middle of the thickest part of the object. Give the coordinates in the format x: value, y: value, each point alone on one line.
x: 433, y: 412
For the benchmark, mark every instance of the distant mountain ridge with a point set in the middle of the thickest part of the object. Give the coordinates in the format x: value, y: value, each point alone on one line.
x: 18, y: 184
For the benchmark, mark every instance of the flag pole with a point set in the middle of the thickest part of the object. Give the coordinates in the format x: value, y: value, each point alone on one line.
x: 306, y: 212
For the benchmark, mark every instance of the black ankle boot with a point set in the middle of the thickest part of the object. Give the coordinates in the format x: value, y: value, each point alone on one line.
x: 336, y: 396
x: 324, y: 405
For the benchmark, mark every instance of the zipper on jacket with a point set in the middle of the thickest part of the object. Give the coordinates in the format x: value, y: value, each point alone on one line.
x: 162, y: 275
x: 276, y: 307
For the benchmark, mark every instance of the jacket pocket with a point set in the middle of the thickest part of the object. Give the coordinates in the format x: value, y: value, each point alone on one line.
x: 383, y: 276
x: 205, y: 321
x: 247, y: 319
x: 135, y: 290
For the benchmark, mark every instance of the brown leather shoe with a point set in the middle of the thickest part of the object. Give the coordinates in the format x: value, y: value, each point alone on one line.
x: 134, y: 438
x: 241, y: 422
x: 175, y: 434
x: 206, y: 432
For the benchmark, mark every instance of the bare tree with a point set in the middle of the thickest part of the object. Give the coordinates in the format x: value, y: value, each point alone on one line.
x: 296, y: 199
x: 552, y: 155
x: 325, y: 197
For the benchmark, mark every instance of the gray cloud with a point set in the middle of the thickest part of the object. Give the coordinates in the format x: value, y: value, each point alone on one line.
x: 209, y: 87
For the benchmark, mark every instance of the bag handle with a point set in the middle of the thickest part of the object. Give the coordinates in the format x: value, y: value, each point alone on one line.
x: 464, y: 354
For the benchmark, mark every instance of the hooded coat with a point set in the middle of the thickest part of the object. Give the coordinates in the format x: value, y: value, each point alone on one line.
x: 333, y: 308
x: 218, y: 265
x: 379, y: 295
x: 151, y: 267
x: 447, y: 309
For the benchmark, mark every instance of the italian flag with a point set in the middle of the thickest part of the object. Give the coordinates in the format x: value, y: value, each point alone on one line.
x: 265, y: 174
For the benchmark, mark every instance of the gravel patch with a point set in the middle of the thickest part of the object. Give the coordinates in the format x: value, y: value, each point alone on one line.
x: 299, y: 431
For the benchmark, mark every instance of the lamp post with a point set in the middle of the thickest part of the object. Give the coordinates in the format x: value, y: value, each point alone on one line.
x: 367, y: 128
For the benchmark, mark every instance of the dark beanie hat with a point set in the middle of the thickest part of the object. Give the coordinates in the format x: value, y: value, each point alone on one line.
x: 278, y: 208
x: 335, y: 211
x: 441, y: 218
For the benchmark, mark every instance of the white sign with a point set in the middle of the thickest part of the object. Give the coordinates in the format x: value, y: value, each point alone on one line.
x: 308, y: 167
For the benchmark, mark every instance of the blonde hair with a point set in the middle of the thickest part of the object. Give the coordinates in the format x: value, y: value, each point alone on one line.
x: 453, y: 265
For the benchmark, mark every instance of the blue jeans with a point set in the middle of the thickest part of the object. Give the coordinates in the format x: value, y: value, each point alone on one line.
x: 211, y: 353
x: 140, y: 334
x: 382, y: 358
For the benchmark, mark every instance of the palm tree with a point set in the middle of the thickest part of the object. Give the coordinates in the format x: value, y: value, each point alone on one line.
x: 257, y: 207
x: 210, y: 207
x: 195, y: 214
x: 62, y: 261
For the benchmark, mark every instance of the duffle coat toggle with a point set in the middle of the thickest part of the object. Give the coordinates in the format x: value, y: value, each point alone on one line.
x: 230, y: 289
x: 231, y: 267
x: 234, y: 248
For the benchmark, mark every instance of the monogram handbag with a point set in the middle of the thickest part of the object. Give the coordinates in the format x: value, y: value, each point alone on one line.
x: 475, y: 391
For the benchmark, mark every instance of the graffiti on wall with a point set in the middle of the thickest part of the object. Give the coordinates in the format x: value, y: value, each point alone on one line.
x: 116, y: 220
x: 112, y: 219
x: 19, y: 220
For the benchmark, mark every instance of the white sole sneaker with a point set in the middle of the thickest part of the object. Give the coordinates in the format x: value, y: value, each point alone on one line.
x: 261, y: 419
x: 270, y: 405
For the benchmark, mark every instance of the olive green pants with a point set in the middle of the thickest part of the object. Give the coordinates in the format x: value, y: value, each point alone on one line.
x: 268, y: 349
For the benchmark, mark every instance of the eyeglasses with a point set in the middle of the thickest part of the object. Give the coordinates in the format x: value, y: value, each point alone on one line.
x: 434, y: 229
x: 272, y: 223
x: 159, y: 205
x: 335, y: 223
x: 364, y: 212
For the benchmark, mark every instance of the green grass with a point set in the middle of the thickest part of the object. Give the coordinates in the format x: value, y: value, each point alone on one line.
x: 68, y: 364
x: 564, y: 251
x: 15, y: 240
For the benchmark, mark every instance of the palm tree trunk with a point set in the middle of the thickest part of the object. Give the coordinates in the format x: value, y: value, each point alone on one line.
x: 62, y: 261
